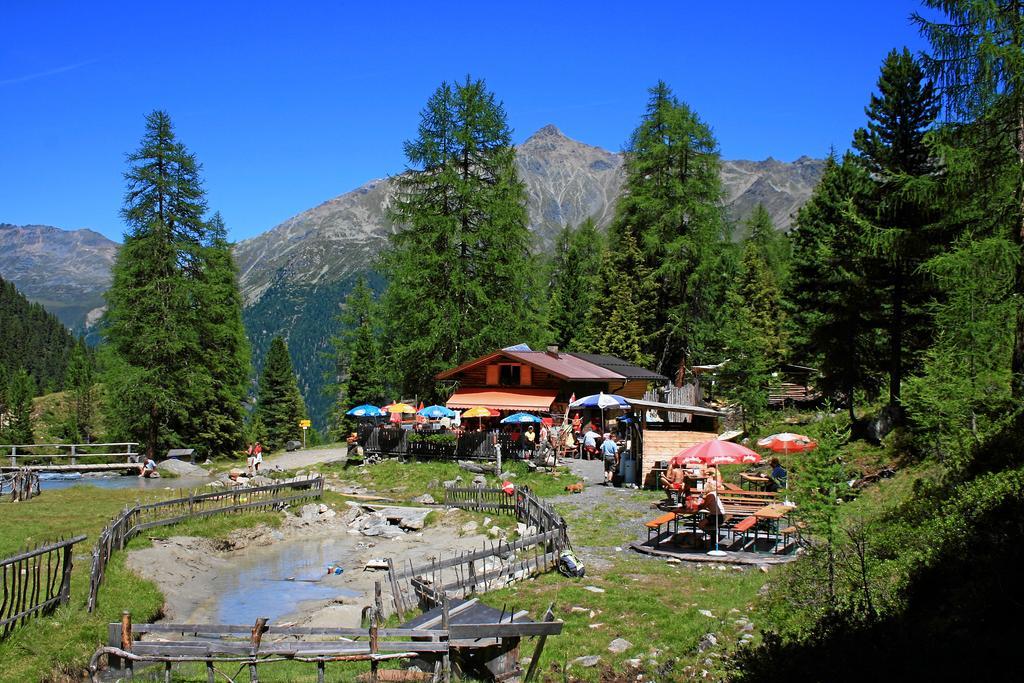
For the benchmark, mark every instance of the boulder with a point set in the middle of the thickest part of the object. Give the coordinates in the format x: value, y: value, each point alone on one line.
x: 709, y: 640
x: 619, y: 645
x: 425, y: 499
x: 469, y: 528
x: 292, y: 445
x: 480, y: 480
x: 260, y: 480
x: 181, y: 468
x: 309, y: 512
x: 588, y: 661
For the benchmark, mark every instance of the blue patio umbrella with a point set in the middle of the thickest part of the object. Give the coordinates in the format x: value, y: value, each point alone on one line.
x: 602, y: 401
x: 366, y: 410
x: 436, y: 412
x: 519, y: 418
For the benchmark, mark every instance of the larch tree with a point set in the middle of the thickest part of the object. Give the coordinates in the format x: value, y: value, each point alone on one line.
x: 80, y: 384
x: 172, y: 300
x: 279, y: 405
x: 20, y: 390
x: 459, y: 266
x: 977, y: 60
x: 672, y: 202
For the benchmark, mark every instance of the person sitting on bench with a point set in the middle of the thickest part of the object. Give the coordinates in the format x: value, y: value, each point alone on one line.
x: 778, y: 476
x: 712, y: 499
x: 673, y: 478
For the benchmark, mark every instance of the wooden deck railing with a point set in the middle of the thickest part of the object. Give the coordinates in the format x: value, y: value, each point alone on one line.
x: 35, y: 582
x: 122, y: 452
x: 136, y: 519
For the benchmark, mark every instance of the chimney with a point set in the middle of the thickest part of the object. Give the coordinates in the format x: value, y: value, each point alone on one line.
x: 553, y: 351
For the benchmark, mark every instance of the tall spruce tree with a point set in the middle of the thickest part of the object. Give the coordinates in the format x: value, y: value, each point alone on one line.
x: 223, y: 344
x: 573, y: 283
x: 357, y: 357
x: 172, y: 298
x: 900, y: 208
x: 459, y: 267
x: 774, y: 248
x: 831, y: 297
x: 279, y: 405
x: 672, y: 202
x: 80, y: 383
x: 20, y: 390
x: 978, y: 63
x: 619, y: 316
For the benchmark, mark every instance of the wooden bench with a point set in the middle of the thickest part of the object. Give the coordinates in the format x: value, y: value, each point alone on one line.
x: 655, y: 525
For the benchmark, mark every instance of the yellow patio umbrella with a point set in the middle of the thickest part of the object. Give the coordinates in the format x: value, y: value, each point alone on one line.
x: 399, y: 408
x: 478, y: 411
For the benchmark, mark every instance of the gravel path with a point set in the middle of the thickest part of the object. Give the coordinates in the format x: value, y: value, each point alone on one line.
x: 305, y: 458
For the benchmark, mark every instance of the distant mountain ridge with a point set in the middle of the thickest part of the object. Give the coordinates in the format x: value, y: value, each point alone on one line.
x: 67, y: 271
x: 294, y: 276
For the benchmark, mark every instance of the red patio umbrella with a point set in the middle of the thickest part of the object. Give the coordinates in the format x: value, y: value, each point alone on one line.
x: 788, y: 443
x: 716, y: 452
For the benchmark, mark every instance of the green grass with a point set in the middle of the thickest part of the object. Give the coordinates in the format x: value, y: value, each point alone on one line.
x: 59, y: 645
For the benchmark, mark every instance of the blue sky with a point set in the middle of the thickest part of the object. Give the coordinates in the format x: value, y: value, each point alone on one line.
x: 290, y: 104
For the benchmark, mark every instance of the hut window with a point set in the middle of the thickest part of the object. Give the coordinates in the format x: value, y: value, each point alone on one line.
x: 510, y: 375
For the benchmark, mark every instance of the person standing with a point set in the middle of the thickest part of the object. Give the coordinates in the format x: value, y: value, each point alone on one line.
x: 590, y: 444
x: 531, y: 440
x: 610, y: 451
x: 250, y: 460
x: 257, y: 457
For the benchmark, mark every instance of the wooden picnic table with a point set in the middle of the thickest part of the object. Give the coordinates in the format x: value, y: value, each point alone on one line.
x: 771, y: 514
x: 756, y: 481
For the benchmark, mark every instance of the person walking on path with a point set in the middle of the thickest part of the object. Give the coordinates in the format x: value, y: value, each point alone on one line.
x: 610, y: 451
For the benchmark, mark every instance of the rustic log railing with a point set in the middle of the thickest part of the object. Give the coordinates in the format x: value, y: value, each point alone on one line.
x: 495, y: 565
x: 136, y: 519
x: 392, y: 442
x: 22, y: 484
x: 35, y: 583
x: 120, y: 452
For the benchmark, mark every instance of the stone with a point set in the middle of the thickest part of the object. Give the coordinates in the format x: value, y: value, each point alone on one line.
x: 619, y: 645
x: 634, y: 663
x: 260, y: 480
x: 673, y: 560
x: 487, y: 521
x: 593, y: 589
x: 309, y: 512
x: 587, y: 661
x: 480, y: 480
x: 216, y: 484
x: 707, y: 613
x: 425, y: 499
x: 181, y: 468
x: 495, y: 532
x: 469, y: 527
x: 709, y: 640
x: 577, y: 608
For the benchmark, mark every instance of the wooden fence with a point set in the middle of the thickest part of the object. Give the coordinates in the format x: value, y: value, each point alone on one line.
x: 121, y: 452
x: 496, y: 564
x: 243, y: 646
x: 22, y: 484
x: 136, y: 519
x: 35, y: 582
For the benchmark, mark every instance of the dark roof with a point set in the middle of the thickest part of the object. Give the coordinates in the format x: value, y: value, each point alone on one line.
x: 621, y: 367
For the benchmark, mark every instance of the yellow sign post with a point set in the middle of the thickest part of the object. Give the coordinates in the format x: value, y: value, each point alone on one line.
x: 305, y: 424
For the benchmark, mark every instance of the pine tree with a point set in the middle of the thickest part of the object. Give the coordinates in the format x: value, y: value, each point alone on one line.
x: 978, y: 64
x: 279, y: 405
x: 672, y: 202
x: 573, y: 283
x: 832, y: 302
x: 81, y: 387
x: 772, y: 244
x: 761, y: 296
x: 20, y: 391
x: 746, y: 375
x: 893, y: 151
x: 619, y: 316
x: 224, y: 347
x: 458, y: 268
x: 357, y: 356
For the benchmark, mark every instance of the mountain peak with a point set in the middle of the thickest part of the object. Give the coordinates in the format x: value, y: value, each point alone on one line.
x: 550, y: 130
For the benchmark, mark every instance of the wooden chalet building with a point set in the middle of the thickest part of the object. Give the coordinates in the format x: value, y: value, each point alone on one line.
x: 515, y: 379
x: 519, y: 379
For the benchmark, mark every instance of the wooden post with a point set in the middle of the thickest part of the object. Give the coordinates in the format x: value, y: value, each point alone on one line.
x: 446, y: 663
x: 257, y: 635
x: 210, y: 676
x: 73, y: 452
x: 374, y: 617
x: 398, y: 599
x: 14, y: 456
x: 537, y: 651
x: 126, y: 642
x: 320, y: 671
x: 65, y: 583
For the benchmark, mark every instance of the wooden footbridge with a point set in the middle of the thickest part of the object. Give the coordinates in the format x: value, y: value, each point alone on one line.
x: 74, y: 457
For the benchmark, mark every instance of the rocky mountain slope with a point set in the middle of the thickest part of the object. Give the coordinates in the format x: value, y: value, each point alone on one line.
x: 295, y: 275
x: 67, y: 271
